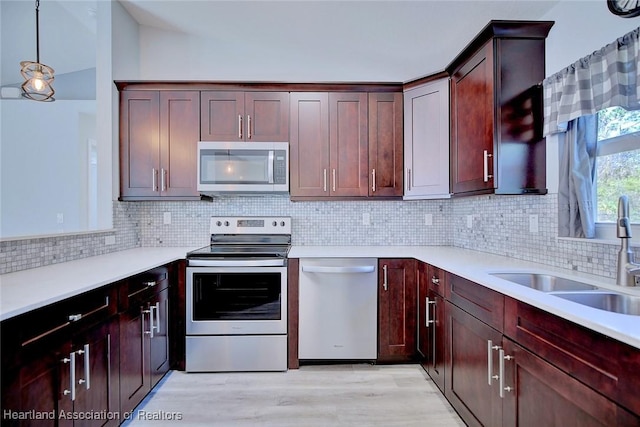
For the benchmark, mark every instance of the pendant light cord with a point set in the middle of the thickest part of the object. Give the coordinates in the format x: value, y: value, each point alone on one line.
x: 38, y: 31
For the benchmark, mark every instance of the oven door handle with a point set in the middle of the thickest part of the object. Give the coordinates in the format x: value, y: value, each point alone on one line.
x: 237, y: 263
x: 356, y: 269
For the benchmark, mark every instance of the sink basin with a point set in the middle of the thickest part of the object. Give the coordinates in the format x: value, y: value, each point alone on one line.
x: 603, y: 300
x: 544, y: 282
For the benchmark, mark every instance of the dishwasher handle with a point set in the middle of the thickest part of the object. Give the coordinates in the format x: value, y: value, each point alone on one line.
x: 356, y: 269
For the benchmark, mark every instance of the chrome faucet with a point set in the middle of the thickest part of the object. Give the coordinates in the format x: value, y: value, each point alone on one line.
x: 628, y: 272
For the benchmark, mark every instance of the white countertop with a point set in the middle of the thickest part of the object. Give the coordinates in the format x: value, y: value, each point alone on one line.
x: 477, y: 266
x: 27, y: 290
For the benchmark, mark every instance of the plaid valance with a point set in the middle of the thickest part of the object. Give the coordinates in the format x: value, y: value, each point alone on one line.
x: 607, y: 78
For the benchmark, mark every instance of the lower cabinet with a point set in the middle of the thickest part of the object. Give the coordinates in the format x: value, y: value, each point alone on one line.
x: 84, y: 362
x: 431, y: 322
x: 396, y: 310
x: 144, y: 343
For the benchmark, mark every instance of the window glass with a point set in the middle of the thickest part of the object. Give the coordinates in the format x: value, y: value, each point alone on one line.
x: 618, y: 162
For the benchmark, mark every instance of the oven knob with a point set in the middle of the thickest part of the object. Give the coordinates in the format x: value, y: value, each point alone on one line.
x: 218, y: 223
x: 226, y: 223
x: 274, y: 223
x: 282, y: 223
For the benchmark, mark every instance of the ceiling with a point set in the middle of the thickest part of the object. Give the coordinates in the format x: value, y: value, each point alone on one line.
x: 329, y: 40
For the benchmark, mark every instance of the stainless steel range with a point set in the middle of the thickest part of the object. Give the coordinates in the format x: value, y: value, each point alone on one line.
x: 236, y: 296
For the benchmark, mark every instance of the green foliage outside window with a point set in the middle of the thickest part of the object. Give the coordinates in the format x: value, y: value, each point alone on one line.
x: 618, y: 173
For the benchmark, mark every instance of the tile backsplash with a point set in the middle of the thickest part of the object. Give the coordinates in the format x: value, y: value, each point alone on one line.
x: 492, y: 224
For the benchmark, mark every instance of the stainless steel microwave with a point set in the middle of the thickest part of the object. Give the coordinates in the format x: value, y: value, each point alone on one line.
x: 243, y: 167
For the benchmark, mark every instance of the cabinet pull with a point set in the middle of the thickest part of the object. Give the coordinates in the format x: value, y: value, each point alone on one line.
x: 324, y: 180
x: 385, y: 281
x: 502, y: 386
x: 87, y: 367
x: 249, y: 134
x: 156, y: 324
x: 487, y: 156
x: 71, y: 360
x: 150, y: 284
x: 490, y: 349
x: 154, y: 179
x: 427, y: 318
x: 142, y: 313
x: 334, y: 180
x: 408, y: 179
x: 239, y: 126
x: 163, y: 179
x: 373, y: 180
x: 435, y: 280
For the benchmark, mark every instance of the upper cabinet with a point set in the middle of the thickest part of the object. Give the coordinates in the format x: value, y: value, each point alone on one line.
x: 496, y: 111
x: 345, y: 145
x: 426, y: 140
x: 158, y: 140
x: 244, y: 116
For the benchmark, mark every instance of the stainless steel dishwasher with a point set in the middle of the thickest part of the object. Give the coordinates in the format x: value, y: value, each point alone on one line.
x: 338, y: 309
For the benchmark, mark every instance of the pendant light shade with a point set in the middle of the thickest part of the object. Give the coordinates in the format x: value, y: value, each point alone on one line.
x: 38, y: 77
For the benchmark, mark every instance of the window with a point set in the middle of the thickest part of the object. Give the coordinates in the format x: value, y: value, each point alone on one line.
x: 617, y: 166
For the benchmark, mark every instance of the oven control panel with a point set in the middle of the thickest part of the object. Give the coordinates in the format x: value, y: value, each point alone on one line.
x: 251, y: 225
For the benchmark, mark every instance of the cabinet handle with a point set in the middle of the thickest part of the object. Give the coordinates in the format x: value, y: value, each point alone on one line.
x: 163, y: 179
x: 373, y: 180
x: 75, y: 317
x: 87, y: 367
x: 427, y: 319
x: 502, y: 386
x: 408, y: 179
x: 154, y: 179
x: 152, y: 325
x: 324, y: 180
x: 385, y: 281
x: 435, y: 280
x: 487, y: 156
x: 249, y: 134
x: 150, y: 283
x: 157, y: 322
x: 334, y: 180
x: 239, y: 126
x: 71, y: 360
x: 490, y: 349
x: 143, y: 312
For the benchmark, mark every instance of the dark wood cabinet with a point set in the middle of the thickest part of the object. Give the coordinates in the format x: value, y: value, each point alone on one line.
x: 158, y: 140
x: 385, y: 144
x: 536, y: 393
x: 60, y: 362
x: 431, y: 322
x: 244, y: 116
x: 396, y: 310
x: 496, y: 105
x: 345, y: 145
x: 144, y: 345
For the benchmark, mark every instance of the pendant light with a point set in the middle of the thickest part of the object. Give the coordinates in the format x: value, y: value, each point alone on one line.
x: 38, y: 77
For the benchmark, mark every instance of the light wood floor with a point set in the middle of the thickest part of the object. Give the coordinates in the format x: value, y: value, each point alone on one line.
x: 328, y: 395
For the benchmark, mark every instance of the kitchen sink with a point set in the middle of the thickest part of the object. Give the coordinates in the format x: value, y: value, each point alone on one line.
x: 604, y: 300
x: 544, y: 282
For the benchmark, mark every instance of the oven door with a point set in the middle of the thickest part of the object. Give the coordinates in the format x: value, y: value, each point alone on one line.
x: 236, y: 300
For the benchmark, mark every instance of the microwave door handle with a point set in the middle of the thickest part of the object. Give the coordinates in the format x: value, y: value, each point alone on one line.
x: 270, y: 166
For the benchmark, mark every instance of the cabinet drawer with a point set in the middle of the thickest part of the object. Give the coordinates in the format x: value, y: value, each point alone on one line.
x: 60, y: 320
x: 143, y: 287
x: 437, y: 280
x: 608, y: 366
x: 482, y: 303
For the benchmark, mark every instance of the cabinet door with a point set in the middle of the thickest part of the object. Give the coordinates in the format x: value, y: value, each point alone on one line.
x: 267, y: 116
x: 385, y: 144
x: 426, y: 141
x: 534, y: 384
x: 423, y: 344
x: 472, y: 124
x: 348, y: 144
x: 222, y: 116
x: 179, y: 135
x: 134, y: 357
x: 396, y: 309
x: 159, y: 352
x: 437, y: 339
x: 309, y: 150
x: 97, y: 373
x: 139, y: 144
x: 468, y: 369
